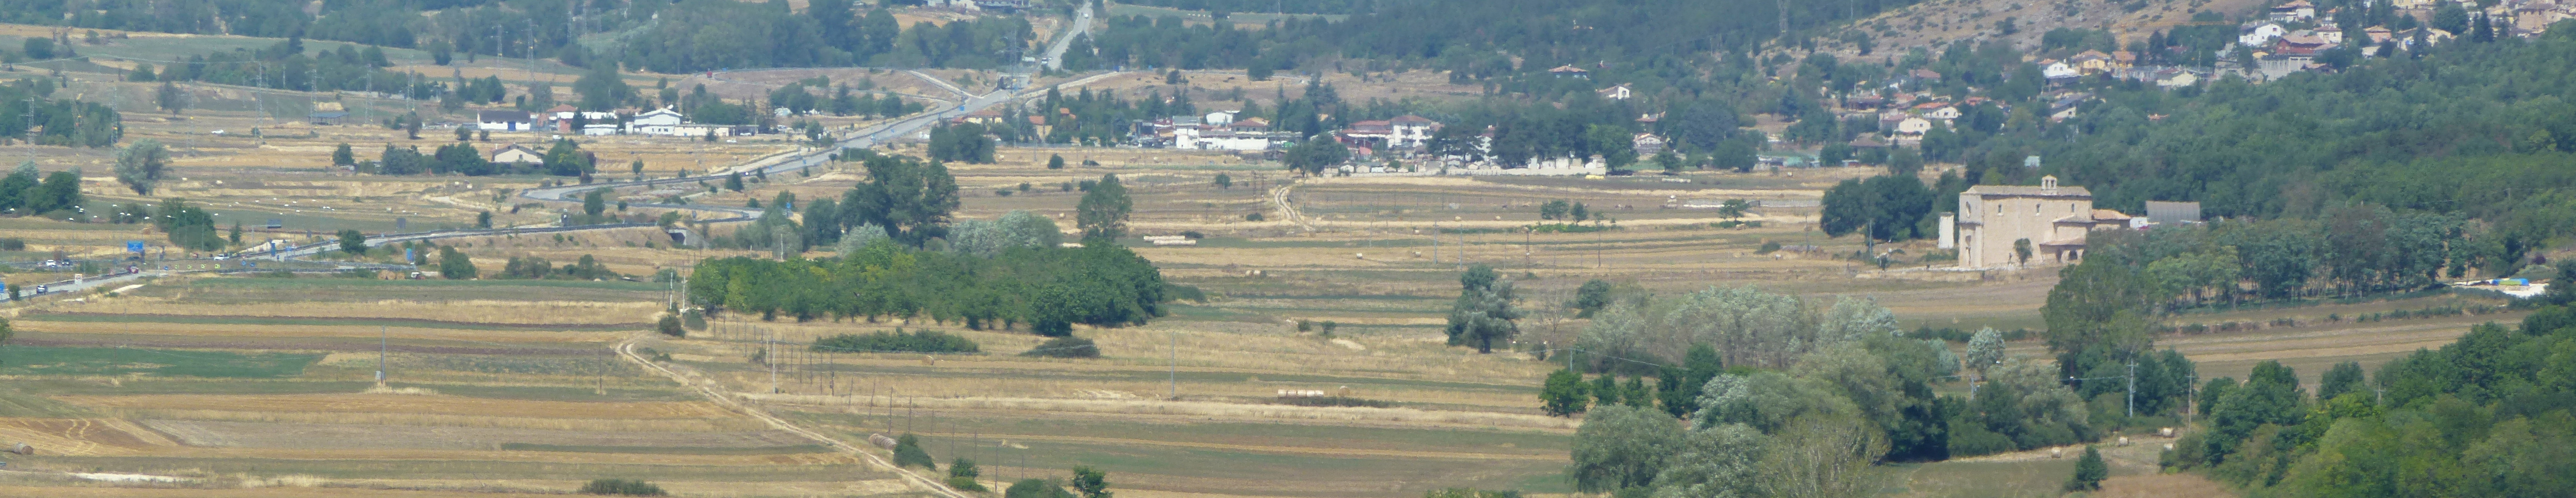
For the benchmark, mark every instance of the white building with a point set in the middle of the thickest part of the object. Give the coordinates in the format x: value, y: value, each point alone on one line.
x: 2260, y: 35
x: 504, y: 120
x: 1197, y: 138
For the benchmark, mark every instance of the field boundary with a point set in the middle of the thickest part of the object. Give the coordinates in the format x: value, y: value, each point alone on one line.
x: 421, y: 323
x: 712, y: 392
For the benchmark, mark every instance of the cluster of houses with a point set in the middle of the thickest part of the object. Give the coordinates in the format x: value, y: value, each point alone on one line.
x: 2279, y: 49
x: 1219, y: 131
x: 564, y: 119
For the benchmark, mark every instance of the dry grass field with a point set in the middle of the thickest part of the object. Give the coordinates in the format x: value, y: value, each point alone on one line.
x: 247, y: 385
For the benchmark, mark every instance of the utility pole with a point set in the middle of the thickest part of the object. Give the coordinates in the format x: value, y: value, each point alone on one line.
x: 384, y: 340
x: 1174, y: 363
x: 770, y: 356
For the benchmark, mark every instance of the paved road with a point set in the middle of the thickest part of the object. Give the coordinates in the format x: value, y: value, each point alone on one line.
x: 1081, y: 24
x: 780, y: 164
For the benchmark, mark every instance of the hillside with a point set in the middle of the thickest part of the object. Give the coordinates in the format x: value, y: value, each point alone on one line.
x: 1938, y: 22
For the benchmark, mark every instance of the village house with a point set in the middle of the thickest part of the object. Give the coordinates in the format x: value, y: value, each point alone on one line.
x: 514, y: 154
x: 1615, y: 92
x: 1913, y: 126
x: 2091, y: 61
x: 2048, y: 219
x: 2295, y: 11
x: 1944, y: 113
x: 1569, y: 71
x: 2053, y: 69
x: 1646, y: 144
x: 2260, y: 35
x: 1412, y: 131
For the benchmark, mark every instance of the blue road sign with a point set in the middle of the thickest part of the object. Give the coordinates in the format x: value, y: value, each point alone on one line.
x: 134, y: 246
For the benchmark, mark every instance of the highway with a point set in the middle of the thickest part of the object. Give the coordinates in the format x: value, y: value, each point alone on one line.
x: 1081, y: 24
x: 868, y: 137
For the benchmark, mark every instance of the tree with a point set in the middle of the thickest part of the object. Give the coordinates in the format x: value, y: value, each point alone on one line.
x: 1554, y: 209
x: 670, y: 326
x: 1563, y: 394
x: 1090, y: 482
x: 1722, y: 461
x: 189, y: 227
x: 139, y: 166
x: 1823, y: 456
x: 1591, y: 297
x: 2021, y: 251
x: 2089, y: 471
x: 169, y: 98
x: 1036, y: 488
x: 733, y: 181
x: 601, y: 88
x: 1621, y: 447
x: 344, y: 156
x: 2342, y: 378
x: 1102, y: 214
x: 1313, y: 156
x: 1224, y: 182
x: 905, y: 198
x: 594, y: 202
x: 1055, y: 161
x: 483, y: 220
x: 353, y: 242
x: 1483, y: 313
x: 236, y: 233
x: 1985, y: 349
x: 455, y: 265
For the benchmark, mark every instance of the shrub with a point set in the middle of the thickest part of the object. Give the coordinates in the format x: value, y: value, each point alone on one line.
x: 1471, y: 493
x: 1252, y: 217
x: 2089, y: 471
x: 962, y: 474
x: 693, y: 319
x: 908, y: 452
x: 1036, y: 488
x: 1065, y: 347
x: 919, y: 341
x: 13, y: 244
x: 670, y: 326
x: 1768, y: 247
x: 621, y: 487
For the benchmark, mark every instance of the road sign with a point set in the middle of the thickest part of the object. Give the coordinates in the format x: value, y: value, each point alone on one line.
x: 134, y: 246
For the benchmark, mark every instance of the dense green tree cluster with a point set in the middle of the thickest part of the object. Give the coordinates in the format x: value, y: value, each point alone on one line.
x: 919, y: 341
x: 1049, y: 288
x: 532, y: 267
x: 962, y: 142
x: 64, y: 121
x: 2487, y: 415
x: 27, y: 191
x: 287, y: 65
x: 189, y: 227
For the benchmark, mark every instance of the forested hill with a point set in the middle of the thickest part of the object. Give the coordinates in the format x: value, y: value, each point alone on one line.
x: 1486, y: 38
x: 2479, y: 129
x: 1483, y: 37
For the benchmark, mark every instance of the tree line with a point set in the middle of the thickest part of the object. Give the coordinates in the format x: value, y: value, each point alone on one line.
x: 2487, y: 415
x: 1047, y: 289
x: 1778, y: 395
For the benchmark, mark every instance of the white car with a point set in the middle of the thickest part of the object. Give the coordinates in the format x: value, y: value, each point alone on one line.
x: 221, y: 257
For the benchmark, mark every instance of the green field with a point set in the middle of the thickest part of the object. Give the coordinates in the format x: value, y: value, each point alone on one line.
x: 40, y: 360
